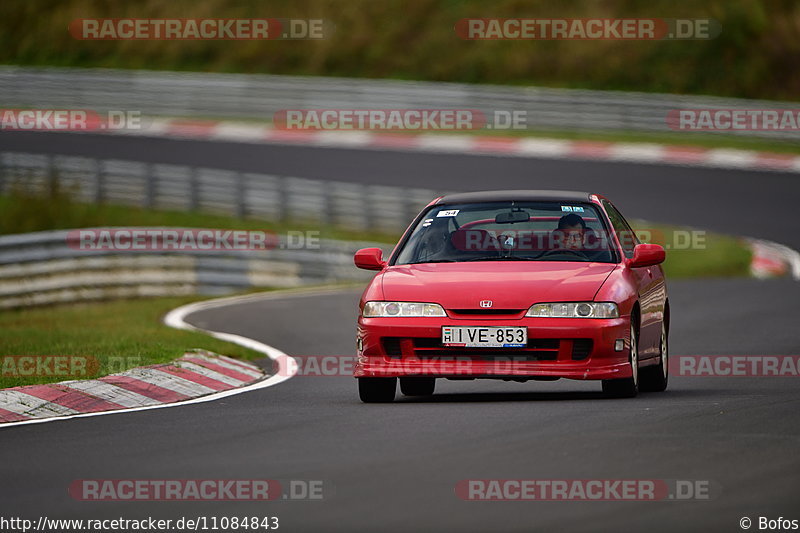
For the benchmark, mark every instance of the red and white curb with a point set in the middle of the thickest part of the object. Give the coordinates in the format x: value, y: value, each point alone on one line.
x: 771, y: 259
x: 193, y: 375
x: 470, y: 144
x: 196, y: 377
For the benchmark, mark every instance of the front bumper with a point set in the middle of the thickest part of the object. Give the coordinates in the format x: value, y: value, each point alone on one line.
x: 571, y: 348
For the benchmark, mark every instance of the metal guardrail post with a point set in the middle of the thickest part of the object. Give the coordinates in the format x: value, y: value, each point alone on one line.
x: 150, y: 188
x: 241, y: 195
x: 194, y: 189
x: 283, y: 199
x: 3, y: 171
x: 327, y: 216
x: 368, y: 208
x: 51, y: 176
x: 99, y: 181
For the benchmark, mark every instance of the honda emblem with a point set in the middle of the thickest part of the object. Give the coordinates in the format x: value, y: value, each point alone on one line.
x: 486, y: 303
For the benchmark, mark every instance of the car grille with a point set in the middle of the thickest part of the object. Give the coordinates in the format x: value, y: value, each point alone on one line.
x: 486, y: 311
x: 535, y: 350
x: 487, y: 314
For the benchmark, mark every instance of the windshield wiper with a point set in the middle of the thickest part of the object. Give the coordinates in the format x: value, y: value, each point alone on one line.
x: 433, y: 261
x: 503, y: 258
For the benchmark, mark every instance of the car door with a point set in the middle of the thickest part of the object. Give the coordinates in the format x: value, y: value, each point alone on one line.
x: 650, y: 286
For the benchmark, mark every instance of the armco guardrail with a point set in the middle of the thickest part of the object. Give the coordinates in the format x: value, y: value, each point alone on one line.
x: 260, y: 96
x: 241, y: 194
x: 42, y: 268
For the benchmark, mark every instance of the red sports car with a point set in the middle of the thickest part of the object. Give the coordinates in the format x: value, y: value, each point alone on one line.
x: 514, y: 285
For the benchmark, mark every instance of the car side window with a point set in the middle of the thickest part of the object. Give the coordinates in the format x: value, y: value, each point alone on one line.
x: 627, y: 237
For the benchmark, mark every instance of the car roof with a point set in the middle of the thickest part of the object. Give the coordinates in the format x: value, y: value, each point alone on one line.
x: 520, y: 195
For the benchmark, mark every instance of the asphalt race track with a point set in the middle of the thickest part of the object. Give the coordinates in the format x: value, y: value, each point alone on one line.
x: 394, y: 467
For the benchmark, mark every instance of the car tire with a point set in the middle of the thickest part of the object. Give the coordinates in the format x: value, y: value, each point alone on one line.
x: 654, y: 378
x: 626, y: 387
x: 417, y: 386
x: 377, y: 390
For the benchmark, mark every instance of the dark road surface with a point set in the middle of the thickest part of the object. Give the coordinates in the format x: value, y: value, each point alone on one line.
x: 388, y: 467
x: 394, y: 467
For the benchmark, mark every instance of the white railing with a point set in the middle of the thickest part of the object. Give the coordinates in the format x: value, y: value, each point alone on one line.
x: 241, y: 194
x: 42, y: 268
x: 250, y: 96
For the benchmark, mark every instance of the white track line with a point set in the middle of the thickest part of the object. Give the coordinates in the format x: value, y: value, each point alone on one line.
x: 176, y: 319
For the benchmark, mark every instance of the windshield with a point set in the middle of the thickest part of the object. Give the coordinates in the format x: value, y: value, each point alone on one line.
x: 509, y: 231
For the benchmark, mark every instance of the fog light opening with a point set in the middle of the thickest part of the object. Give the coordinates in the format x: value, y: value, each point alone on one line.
x: 619, y: 345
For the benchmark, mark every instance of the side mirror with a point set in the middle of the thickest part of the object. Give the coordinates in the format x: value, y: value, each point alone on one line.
x: 647, y: 255
x: 370, y: 259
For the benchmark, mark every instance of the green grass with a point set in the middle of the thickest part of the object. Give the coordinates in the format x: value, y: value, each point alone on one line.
x: 120, y: 335
x: 754, y: 56
x: 695, y: 253
x: 723, y: 257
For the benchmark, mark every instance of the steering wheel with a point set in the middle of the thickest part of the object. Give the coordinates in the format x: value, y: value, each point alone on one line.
x: 560, y: 251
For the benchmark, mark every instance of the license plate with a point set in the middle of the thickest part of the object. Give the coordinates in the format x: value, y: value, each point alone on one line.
x: 485, y: 336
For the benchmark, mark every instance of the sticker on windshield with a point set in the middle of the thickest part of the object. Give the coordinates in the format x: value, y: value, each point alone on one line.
x: 449, y: 213
x: 427, y: 222
x: 572, y: 209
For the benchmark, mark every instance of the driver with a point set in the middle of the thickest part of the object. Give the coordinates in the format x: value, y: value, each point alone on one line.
x: 570, y: 233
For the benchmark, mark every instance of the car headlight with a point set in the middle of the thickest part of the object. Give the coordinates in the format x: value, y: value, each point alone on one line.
x: 574, y: 310
x: 380, y: 309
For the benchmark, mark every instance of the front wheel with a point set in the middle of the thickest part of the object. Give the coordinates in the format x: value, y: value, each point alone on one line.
x: 655, y: 378
x: 626, y: 387
x: 377, y: 390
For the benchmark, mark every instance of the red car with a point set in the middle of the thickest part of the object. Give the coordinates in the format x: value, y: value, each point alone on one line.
x: 514, y: 285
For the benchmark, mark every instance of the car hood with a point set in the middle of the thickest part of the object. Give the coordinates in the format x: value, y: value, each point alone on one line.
x: 509, y: 285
